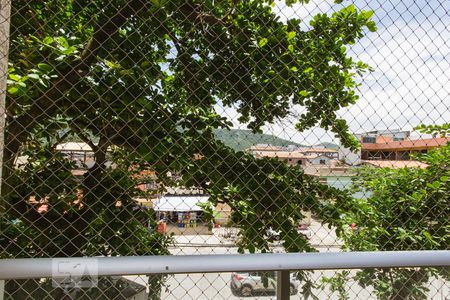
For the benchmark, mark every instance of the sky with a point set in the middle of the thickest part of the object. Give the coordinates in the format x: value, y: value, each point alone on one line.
x: 410, y: 54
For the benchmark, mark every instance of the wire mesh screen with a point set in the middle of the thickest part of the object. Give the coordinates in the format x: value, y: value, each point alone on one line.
x: 153, y: 127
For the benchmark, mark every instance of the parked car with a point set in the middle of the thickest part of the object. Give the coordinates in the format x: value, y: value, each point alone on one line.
x: 248, y: 284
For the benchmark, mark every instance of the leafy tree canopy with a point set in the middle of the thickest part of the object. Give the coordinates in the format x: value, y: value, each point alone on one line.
x: 150, y: 72
x: 142, y: 82
x: 144, y: 79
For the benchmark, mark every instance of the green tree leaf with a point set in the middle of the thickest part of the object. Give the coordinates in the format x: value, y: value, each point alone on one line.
x: 262, y: 42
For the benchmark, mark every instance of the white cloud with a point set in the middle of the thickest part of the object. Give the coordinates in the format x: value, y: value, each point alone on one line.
x: 411, y: 56
x: 305, y: 12
x: 411, y: 82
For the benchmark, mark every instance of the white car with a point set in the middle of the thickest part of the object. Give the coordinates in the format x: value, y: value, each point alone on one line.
x: 248, y: 284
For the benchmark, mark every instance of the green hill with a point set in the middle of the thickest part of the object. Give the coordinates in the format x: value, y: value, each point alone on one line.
x: 240, y: 139
x: 327, y: 145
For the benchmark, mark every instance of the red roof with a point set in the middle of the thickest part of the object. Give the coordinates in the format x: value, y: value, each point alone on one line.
x: 395, y: 164
x: 407, y: 144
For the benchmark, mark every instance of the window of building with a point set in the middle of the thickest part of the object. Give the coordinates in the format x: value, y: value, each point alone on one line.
x: 322, y: 161
x: 369, y: 139
x: 150, y: 186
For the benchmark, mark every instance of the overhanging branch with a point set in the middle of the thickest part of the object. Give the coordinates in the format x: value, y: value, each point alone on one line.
x: 54, y: 99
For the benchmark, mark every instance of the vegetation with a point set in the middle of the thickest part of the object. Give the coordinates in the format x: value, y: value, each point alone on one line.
x: 142, y: 79
x: 327, y: 145
x: 239, y: 140
x: 407, y: 210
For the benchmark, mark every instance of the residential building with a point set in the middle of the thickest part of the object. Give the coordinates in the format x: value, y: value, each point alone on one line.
x: 264, y: 148
x: 385, y: 148
x: 298, y: 156
x: 79, y: 152
x: 319, y: 162
x: 379, y: 135
x: 290, y: 157
x: 330, y: 153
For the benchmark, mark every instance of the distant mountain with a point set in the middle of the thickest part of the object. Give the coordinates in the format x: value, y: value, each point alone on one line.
x: 240, y: 139
x: 327, y: 145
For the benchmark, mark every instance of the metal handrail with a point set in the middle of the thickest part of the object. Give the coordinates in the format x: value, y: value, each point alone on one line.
x: 26, y: 268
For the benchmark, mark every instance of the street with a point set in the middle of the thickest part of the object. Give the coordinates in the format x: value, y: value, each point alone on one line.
x: 217, y: 285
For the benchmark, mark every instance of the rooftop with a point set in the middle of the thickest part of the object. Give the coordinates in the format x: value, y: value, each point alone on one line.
x: 407, y: 144
x: 385, y: 131
x: 283, y: 154
x: 263, y: 147
x: 336, y: 168
x: 317, y: 150
x: 395, y: 164
x: 73, y: 146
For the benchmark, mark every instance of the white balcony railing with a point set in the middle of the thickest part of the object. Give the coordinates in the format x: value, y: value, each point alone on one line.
x: 27, y: 268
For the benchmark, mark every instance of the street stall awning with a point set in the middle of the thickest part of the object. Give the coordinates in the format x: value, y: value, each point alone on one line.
x: 179, y: 203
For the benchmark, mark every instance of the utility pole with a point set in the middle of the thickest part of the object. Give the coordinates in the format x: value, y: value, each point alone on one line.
x: 5, y: 12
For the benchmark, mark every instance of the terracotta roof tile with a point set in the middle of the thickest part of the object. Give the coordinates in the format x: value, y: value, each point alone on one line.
x: 407, y: 144
x: 395, y: 164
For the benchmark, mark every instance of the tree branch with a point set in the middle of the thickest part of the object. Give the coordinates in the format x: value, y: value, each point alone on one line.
x: 174, y: 39
x: 60, y: 139
x: 231, y: 11
x: 193, y: 13
x: 83, y: 137
x: 53, y: 100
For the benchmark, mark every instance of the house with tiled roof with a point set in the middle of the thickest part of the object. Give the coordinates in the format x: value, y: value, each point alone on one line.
x: 388, y: 149
x: 391, y: 148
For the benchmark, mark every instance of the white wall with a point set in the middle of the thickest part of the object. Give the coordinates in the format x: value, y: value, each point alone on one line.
x: 316, y: 161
